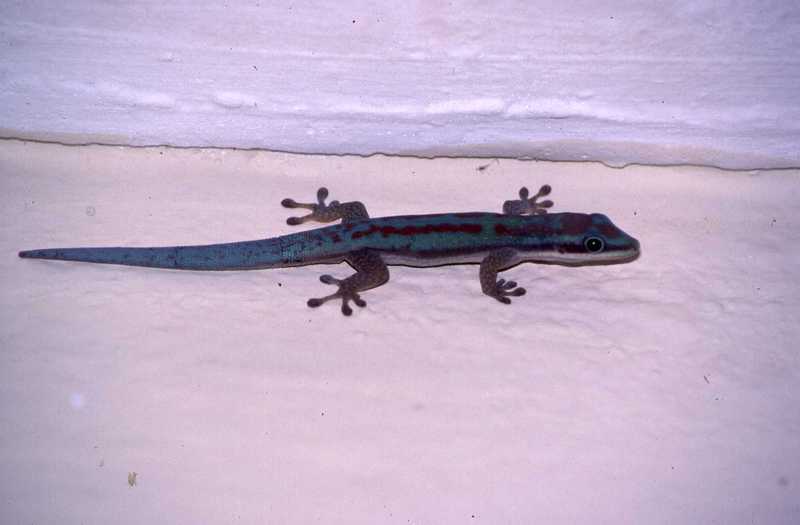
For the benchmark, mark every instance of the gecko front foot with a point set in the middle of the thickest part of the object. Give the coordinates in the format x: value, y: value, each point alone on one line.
x: 503, y: 289
x: 320, y: 211
x: 346, y: 293
x: 527, y: 205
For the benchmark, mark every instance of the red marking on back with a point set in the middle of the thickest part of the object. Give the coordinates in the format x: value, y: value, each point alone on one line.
x: 365, y: 233
x: 608, y: 230
x: 502, y: 229
x: 407, y: 231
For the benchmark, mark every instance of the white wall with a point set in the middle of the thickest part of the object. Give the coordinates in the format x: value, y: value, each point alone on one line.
x: 662, y: 82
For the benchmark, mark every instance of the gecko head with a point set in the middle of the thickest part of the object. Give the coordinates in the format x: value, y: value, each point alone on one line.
x: 586, y: 239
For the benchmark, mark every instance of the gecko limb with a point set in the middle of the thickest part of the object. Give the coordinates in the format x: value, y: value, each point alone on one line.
x: 527, y: 205
x: 491, y: 286
x: 321, y: 212
x: 371, y: 272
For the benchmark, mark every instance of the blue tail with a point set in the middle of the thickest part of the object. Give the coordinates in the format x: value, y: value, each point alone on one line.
x: 265, y: 253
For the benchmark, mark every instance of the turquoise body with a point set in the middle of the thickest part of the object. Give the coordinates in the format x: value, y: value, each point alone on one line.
x: 525, y: 231
x: 414, y: 240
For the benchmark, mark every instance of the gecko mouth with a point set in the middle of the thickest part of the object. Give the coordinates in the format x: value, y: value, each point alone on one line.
x: 577, y: 257
x: 627, y: 254
x: 621, y: 256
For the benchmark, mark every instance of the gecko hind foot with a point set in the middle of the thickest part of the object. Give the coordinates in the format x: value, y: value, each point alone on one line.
x: 344, y: 293
x: 504, y: 289
x: 527, y: 205
x: 319, y: 210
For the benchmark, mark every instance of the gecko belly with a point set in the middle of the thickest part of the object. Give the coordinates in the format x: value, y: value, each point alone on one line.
x: 438, y: 259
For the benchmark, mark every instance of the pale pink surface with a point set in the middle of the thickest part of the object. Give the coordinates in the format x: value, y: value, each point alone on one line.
x: 662, y: 391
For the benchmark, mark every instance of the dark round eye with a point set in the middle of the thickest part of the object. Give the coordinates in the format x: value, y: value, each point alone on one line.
x: 594, y: 244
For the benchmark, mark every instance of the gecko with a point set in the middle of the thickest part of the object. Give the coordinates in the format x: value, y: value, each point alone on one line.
x: 524, y: 231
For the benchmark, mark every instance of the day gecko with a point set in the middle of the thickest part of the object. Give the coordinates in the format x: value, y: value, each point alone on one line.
x: 496, y: 241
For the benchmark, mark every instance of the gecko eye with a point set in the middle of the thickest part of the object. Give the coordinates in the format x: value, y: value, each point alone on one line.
x: 594, y: 244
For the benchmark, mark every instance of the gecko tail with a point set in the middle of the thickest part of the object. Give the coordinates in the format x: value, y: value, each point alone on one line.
x: 42, y: 254
x: 95, y: 255
x: 233, y: 256
x: 150, y: 257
